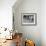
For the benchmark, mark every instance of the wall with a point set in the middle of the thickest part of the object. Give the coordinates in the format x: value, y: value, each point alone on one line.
x: 43, y: 22
x: 29, y: 32
x: 6, y: 13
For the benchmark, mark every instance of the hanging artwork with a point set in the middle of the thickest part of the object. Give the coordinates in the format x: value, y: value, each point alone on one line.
x: 29, y: 19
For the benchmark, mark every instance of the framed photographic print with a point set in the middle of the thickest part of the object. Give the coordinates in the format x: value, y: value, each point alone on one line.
x: 29, y: 19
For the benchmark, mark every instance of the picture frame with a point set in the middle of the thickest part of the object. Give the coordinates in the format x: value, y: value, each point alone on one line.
x: 29, y: 19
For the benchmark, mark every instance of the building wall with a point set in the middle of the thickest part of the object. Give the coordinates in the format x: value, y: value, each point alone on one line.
x: 31, y: 32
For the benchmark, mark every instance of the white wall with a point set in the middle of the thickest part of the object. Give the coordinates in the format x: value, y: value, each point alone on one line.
x: 43, y: 22
x: 31, y: 32
x: 6, y: 13
x: 35, y: 33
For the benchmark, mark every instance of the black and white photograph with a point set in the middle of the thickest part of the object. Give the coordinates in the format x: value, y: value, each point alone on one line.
x: 29, y: 18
